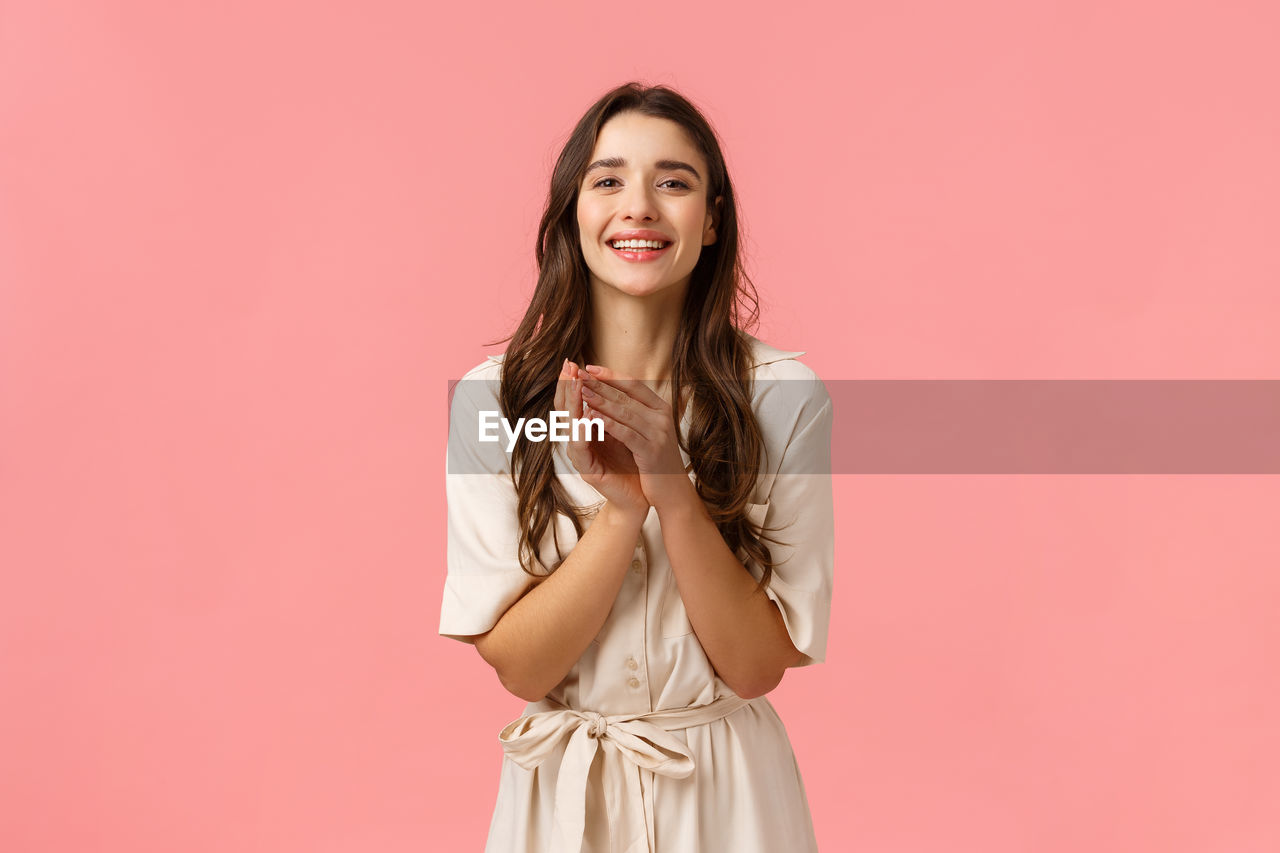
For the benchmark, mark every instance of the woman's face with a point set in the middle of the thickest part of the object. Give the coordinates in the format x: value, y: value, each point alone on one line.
x: 646, y: 181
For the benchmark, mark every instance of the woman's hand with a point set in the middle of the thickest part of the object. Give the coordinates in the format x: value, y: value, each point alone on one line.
x: 607, y: 466
x: 638, y: 418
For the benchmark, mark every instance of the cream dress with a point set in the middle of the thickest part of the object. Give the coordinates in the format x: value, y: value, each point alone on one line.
x: 642, y: 748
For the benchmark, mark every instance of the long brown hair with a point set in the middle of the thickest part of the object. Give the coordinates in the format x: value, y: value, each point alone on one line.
x: 724, y: 442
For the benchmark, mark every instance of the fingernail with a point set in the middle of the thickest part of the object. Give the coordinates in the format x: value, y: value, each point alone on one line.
x: 593, y: 368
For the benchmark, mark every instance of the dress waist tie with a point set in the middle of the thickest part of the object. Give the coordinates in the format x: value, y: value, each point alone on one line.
x: 643, y: 740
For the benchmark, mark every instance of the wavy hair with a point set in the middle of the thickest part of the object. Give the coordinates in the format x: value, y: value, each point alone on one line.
x: 724, y: 442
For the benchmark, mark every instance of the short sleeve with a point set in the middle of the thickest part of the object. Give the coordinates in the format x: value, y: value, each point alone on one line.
x: 801, y: 513
x: 484, y: 573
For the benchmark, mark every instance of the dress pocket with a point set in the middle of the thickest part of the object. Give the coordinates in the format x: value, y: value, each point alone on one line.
x: 675, y: 619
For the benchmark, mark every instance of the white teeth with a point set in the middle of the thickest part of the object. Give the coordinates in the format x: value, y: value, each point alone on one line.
x: 638, y: 244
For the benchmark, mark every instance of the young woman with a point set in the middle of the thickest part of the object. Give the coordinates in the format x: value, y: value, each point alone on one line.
x: 620, y: 581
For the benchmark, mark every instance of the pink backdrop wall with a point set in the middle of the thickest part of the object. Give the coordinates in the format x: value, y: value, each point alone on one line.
x: 244, y: 247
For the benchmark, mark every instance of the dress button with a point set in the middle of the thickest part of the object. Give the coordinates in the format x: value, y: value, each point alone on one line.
x: 635, y: 565
x: 635, y: 682
x: 631, y: 664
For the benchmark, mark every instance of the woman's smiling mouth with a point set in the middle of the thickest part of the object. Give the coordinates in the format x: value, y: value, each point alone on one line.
x: 638, y: 250
x: 638, y: 247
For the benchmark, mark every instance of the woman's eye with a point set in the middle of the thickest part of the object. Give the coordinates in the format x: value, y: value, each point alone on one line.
x: 605, y: 181
x: 678, y: 183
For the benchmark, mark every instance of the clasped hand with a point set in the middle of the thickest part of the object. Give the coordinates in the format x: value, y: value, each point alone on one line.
x: 638, y: 464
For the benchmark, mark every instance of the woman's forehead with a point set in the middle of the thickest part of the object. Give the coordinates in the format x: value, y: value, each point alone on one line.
x: 634, y: 136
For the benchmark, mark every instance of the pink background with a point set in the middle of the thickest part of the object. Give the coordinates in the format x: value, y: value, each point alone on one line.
x: 244, y: 247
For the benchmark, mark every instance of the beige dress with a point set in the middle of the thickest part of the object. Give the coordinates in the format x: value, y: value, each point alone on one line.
x: 642, y: 747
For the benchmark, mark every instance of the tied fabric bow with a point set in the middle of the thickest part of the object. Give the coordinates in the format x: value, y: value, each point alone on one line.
x: 631, y: 742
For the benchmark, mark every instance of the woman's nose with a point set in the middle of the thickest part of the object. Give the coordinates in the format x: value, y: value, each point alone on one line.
x: 638, y: 204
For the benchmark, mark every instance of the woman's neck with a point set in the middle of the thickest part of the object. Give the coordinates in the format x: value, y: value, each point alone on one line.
x: 634, y: 336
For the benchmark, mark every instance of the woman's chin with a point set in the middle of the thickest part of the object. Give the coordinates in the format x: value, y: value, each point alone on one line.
x: 641, y: 289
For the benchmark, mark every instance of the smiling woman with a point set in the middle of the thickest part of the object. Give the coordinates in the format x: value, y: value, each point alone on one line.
x: 643, y: 172
x: 623, y: 587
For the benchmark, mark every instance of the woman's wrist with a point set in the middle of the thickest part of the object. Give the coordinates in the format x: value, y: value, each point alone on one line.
x: 616, y: 513
x: 680, y: 499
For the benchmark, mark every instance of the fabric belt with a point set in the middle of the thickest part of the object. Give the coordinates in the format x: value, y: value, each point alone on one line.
x: 631, y: 743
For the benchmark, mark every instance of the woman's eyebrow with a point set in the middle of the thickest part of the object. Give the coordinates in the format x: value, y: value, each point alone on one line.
x: 672, y: 165
x: 666, y: 165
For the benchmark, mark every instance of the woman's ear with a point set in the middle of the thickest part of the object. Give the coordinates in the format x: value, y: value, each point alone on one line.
x: 713, y: 221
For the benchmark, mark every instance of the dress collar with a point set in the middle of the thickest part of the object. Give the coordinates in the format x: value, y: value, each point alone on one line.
x: 762, y: 353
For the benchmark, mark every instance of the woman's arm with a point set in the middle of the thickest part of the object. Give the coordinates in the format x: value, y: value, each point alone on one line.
x: 540, y: 637
x: 739, y: 627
